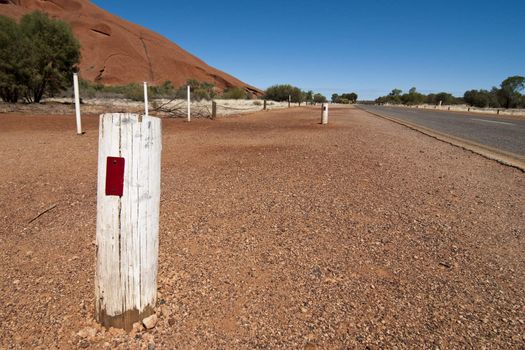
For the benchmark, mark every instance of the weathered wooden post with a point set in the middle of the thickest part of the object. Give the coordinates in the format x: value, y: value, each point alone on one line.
x: 128, y: 200
x: 146, y: 102
x: 324, y: 113
x: 264, y: 105
x: 77, y: 103
x: 213, y: 109
x: 189, y: 103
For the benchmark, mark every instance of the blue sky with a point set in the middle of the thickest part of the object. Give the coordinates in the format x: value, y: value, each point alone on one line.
x: 369, y: 47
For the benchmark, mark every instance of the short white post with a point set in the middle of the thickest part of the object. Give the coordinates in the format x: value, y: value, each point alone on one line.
x: 128, y: 200
x: 324, y: 114
x: 77, y: 103
x: 146, y: 109
x: 189, y: 103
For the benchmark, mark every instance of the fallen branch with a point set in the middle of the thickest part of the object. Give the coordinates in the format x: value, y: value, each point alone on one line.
x: 42, y: 213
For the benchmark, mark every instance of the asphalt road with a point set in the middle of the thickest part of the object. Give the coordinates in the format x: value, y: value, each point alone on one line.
x: 499, y: 133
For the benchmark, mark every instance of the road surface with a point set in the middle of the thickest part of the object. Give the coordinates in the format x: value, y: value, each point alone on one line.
x: 503, y: 134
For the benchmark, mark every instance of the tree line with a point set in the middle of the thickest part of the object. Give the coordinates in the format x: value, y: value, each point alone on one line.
x: 508, y: 95
x: 345, y: 98
x: 285, y: 92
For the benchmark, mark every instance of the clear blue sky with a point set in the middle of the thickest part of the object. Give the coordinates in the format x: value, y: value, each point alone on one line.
x: 369, y: 47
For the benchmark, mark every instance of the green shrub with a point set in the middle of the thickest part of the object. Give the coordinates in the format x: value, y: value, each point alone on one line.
x: 234, y: 94
x: 37, y: 57
x: 284, y: 92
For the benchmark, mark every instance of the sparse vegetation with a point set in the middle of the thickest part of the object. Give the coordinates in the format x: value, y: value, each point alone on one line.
x: 37, y: 57
x: 318, y: 98
x: 413, y: 97
x: 283, y: 92
x: 234, y: 94
x: 135, y: 91
x: 345, y: 98
x: 508, y: 95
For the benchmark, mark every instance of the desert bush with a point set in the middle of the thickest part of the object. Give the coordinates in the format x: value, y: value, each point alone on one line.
x: 283, y: 92
x: 37, y: 57
x: 234, y: 94
x: 199, y: 90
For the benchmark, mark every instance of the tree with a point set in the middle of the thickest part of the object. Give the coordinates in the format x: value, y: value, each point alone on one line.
x: 38, y: 57
x: 309, y: 96
x: 445, y: 98
x: 413, y: 97
x: 396, y: 92
x: 509, y: 94
x: 345, y: 98
x: 11, y: 44
x: 350, y: 97
x: 283, y: 92
x: 318, y: 98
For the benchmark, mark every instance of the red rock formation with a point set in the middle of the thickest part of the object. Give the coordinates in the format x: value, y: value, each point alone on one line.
x: 115, y: 51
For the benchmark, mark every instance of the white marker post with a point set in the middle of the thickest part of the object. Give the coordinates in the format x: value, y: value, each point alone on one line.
x: 189, y: 103
x: 324, y: 115
x: 128, y: 200
x: 77, y: 103
x: 146, y: 99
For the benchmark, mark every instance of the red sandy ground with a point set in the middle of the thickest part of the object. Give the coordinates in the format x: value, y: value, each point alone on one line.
x: 276, y: 233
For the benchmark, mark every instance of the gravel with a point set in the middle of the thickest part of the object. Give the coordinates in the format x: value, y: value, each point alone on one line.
x: 276, y: 233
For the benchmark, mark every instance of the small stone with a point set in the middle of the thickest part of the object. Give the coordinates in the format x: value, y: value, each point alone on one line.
x: 116, y: 332
x: 149, y: 338
x: 88, y: 332
x: 171, y: 321
x: 150, y: 322
x: 165, y: 311
x: 137, y: 328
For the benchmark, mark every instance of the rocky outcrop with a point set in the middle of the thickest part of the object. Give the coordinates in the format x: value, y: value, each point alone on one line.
x: 116, y: 51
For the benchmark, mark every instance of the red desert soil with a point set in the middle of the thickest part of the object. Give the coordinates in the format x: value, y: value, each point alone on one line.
x: 108, y: 41
x: 276, y: 233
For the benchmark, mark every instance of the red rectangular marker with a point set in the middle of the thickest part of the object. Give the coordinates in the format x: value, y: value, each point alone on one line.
x: 115, y: 176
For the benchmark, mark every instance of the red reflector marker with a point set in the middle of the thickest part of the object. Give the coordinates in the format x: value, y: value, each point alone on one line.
x: 115, y: 176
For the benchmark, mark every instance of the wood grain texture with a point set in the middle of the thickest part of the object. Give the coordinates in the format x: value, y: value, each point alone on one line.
x: 128, y: 226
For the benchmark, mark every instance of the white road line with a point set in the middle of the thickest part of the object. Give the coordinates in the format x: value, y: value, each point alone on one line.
x: 492, y: 121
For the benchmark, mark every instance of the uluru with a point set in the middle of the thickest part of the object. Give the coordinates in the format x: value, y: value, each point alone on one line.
x: 115, y: 51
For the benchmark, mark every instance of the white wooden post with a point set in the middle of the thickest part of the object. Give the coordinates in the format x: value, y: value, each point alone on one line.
x: 189, y: 103
x: 128, y: 225
x: 146, y: 109
x: 324, y: 114
x: 77, y: 103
